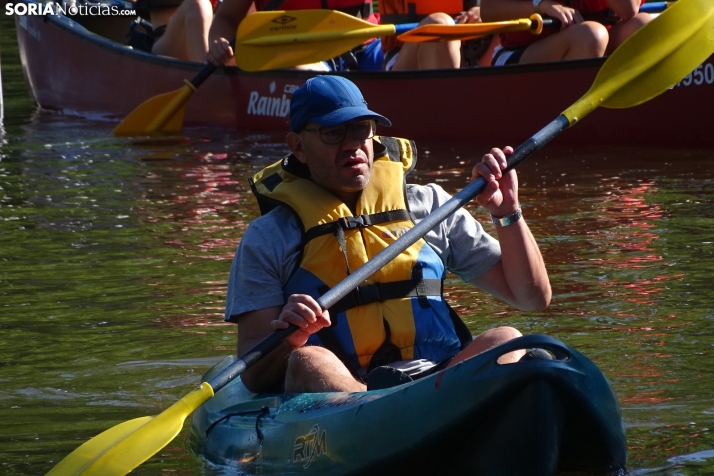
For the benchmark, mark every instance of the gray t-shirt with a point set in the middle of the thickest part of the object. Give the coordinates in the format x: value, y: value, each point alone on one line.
x: 269, y: 251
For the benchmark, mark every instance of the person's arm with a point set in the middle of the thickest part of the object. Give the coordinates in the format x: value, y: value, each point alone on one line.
x: 223, y: 30
x: 625, y: 9
x: 268, y: 374
x: 520, y: 277
x: 504, y: 10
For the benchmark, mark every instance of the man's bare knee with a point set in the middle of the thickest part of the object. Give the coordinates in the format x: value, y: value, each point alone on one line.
x: 316, y: 369
x: 488, y: 340
x: 497, y: 336
x: 306, y: 359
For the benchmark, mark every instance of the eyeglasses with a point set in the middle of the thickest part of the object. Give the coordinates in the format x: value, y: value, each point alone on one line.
x: 331, y: 135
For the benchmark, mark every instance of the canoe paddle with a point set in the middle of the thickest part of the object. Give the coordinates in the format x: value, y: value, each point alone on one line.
x: 163, y: 112
x: 310, y: 36
x: 468, y: 31
x: 264, y: 40
x: 651, y: 61
x: 283, y: 39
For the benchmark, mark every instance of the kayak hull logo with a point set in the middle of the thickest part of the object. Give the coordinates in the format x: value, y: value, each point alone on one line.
x: 310, y: 446
x: 270, y: 105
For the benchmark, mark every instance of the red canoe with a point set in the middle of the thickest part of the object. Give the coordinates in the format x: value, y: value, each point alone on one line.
x: 70, y: 68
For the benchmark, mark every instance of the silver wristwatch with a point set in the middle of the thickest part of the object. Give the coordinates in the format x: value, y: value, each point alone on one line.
x: 508, y: 220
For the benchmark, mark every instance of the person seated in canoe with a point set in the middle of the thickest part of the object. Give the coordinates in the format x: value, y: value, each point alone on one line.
x: 578, y: 37
x: 339, y: 198
x: 230, y: 13
x: 399, y: 56
x: 179, y: 28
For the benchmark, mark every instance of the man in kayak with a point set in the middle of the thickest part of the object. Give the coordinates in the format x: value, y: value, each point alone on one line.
x: 589, y: 28
x: 334, y: 202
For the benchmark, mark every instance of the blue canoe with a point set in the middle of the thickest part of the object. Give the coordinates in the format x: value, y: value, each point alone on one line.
x: 530, y: 418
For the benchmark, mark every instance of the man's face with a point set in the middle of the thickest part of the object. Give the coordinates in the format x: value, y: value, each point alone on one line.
x: 344, y: 168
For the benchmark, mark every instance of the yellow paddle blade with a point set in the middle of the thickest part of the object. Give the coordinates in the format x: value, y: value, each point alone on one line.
x: 652, y: 60
x: 75, y: 462
x: 122, y: 448
x: 468, y: 31
x: 162, y: 113
x: 280, y: 39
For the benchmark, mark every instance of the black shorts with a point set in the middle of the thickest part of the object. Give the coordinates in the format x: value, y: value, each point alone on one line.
x: 142, y: 37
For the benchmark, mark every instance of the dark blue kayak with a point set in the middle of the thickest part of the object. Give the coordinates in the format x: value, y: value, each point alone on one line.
x: 478, y: 417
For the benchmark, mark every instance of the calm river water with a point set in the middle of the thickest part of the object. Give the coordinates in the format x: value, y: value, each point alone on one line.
x: 114, y: 257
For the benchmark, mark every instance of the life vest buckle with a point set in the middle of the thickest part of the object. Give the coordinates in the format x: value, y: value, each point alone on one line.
x: 349, y: 223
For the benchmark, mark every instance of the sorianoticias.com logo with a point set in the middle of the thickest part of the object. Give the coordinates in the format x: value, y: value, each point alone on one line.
x: 66, y: 8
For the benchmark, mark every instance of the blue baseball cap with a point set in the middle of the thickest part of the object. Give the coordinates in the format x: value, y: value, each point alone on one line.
x: 329, y: 101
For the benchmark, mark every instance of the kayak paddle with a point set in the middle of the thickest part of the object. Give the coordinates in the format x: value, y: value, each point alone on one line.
x: 650, y: 62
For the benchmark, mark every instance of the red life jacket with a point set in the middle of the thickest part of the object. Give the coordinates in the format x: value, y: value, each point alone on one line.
x: 585, y: 7
x: 413, y: 11
x: 358, y: 8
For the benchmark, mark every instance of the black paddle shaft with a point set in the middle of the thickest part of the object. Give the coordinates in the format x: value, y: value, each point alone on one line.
x: 203, y: 74
x: 346, y: 286
x: 206, y: 71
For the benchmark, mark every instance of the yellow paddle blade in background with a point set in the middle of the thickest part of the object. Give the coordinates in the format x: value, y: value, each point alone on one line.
x: 438, y: 32
x: 122, y: 448
x: 162, y: 113
x: 653, y: 60
x: 283, y: 39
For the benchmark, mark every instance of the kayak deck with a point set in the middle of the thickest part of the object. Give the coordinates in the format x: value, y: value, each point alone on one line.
x: 532, y: 417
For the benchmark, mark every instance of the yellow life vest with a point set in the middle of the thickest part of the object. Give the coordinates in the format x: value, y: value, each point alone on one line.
x: 399, y: 312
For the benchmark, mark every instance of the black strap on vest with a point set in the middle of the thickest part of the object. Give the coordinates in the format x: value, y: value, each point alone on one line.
x: 380, y: 292
x: 350, y: 223
x: 387, y: 352
x: 339, y: 226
